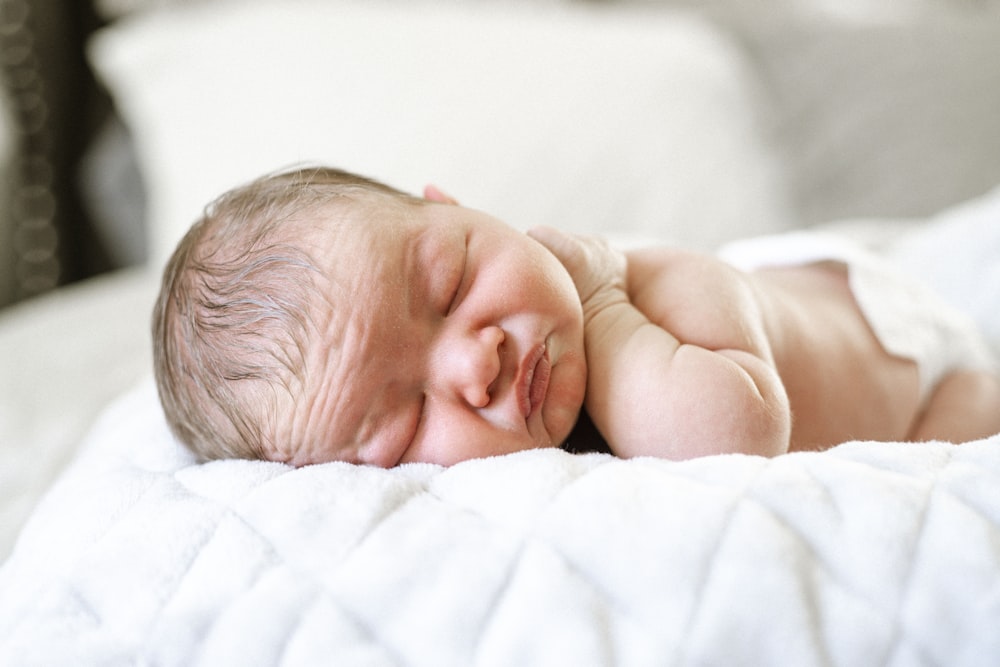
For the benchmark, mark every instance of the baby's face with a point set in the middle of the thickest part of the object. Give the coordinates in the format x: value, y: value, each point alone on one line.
x: 450, y: 336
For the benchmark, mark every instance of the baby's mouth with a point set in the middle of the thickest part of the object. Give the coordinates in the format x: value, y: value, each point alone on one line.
x: 533, y: 384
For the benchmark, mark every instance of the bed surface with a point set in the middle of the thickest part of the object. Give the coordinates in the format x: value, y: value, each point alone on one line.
x: 871, y: 553
x: 63, y: 358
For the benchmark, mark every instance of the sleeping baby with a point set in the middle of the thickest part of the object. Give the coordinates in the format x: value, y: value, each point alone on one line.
x: 315, y: 315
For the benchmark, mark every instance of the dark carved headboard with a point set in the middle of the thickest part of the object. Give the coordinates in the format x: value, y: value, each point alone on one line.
x: 53, y: 107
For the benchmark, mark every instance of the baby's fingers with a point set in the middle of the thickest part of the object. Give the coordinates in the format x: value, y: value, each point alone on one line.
x: 566, y: 248
x: 591, y: 263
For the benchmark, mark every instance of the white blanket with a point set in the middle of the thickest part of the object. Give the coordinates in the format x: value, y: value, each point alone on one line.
x: 871, y: 553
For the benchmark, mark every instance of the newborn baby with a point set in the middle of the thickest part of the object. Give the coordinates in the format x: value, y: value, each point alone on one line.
x: 316, y: 315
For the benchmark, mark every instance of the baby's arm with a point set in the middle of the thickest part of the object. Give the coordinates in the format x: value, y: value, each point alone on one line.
x: 650, y: 391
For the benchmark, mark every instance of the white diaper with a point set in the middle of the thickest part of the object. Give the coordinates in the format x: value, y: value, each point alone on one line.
x: 909, y: 319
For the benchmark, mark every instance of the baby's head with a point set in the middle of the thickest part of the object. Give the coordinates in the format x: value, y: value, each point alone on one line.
x: 315, y: 315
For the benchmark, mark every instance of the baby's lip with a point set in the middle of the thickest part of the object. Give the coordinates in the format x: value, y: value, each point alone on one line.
x: 533, y: 380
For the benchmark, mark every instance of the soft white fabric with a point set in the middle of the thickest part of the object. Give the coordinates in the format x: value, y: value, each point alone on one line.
x: 871, y: 553
x: 585, y: 118
x: 63, y: 358
x: 957, y: 252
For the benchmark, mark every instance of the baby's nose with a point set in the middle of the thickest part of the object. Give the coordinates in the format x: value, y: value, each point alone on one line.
x: 472, y: 364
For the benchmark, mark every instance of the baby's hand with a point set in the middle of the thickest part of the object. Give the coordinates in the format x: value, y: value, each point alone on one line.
x: 597, y: 270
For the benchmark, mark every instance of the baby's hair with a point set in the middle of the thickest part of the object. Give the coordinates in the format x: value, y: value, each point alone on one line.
x: 232, y: 321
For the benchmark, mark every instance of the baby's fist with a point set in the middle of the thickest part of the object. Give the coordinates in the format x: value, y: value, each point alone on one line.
x: 596, y: 268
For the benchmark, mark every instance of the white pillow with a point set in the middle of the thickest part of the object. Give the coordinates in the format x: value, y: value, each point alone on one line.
x: 895, y: 120
x: 588, y: 119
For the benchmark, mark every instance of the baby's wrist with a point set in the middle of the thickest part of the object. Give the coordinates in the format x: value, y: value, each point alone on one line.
x: 605, y: 308
x: 606, y: 295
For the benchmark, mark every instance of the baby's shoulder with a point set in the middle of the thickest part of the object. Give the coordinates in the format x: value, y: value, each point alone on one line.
x: 686, y: 291
x: 681, y: 270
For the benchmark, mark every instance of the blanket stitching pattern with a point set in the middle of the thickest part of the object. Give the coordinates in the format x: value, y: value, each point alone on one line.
x: 233, y: 512
x: 900, y: 638
x: 817, y: 556
x: 831, y: 558
x: 190, y: 567
x: 695, y: 614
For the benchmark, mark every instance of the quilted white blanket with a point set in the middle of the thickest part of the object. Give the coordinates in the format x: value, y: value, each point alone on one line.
x: 871, y: 553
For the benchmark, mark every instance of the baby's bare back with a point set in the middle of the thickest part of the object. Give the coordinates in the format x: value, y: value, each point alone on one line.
x: 842, y: 384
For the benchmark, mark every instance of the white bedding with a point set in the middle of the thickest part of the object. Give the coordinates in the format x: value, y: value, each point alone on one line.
x: 871, y: 553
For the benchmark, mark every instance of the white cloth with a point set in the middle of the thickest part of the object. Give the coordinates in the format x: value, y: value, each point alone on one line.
x: 869, y: 553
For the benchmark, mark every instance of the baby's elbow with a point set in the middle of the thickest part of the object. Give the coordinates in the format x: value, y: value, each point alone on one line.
x: 708, y: 424
x: 764, y: 429
x: 761, y: 420
x: 703, y: 408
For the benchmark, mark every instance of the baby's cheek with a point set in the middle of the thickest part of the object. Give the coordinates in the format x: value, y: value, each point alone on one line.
x: 565, y: 400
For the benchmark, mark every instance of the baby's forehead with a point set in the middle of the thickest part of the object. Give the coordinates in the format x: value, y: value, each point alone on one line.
x: 355, y: 233
x: 361, y: 271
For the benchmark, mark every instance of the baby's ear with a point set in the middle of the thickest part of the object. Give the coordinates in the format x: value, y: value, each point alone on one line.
x: 434, y: 194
